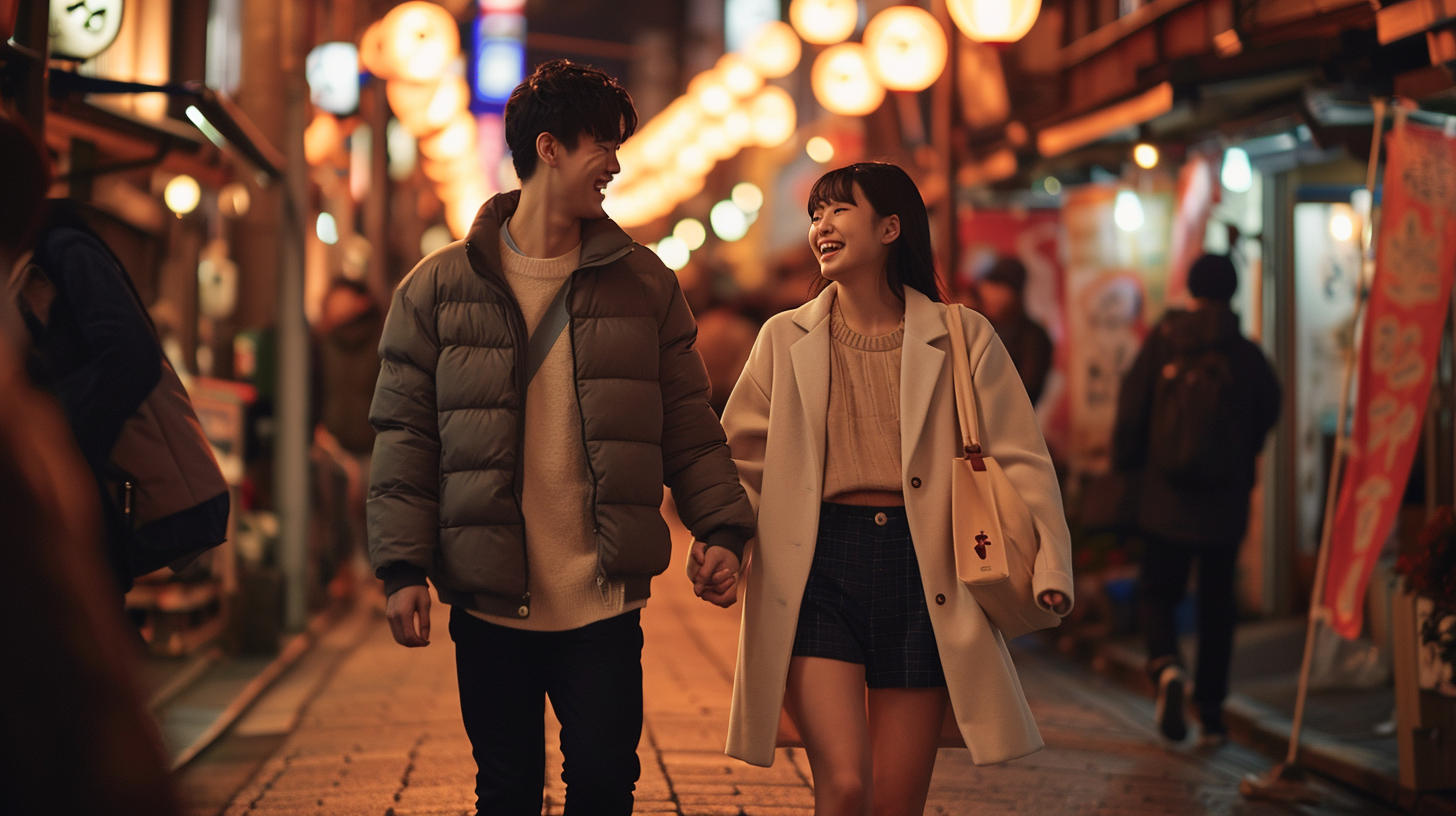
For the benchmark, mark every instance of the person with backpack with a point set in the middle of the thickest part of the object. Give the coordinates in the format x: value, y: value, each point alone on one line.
x: 1192, y: 416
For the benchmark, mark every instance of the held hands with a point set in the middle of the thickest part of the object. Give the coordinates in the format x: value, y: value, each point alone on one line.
x: 401, y: 608
x: 1055, y: 601
x: 714, y: 573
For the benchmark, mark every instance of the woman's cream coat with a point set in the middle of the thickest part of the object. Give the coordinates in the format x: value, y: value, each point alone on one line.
x: 775, y: 421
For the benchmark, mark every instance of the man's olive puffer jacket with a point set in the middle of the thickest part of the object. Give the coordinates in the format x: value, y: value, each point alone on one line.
x: 444, y: 492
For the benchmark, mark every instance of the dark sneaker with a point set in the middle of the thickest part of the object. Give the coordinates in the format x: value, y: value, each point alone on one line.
x: 1169, y: 710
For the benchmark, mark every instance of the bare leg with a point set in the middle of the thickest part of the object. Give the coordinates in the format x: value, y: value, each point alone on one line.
x: 904, y: 727
x: 826, y: 700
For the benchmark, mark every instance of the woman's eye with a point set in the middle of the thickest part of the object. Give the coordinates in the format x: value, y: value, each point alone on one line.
x: 813, y: 219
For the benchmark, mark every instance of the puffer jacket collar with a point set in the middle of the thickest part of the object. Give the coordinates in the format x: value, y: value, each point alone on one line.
x: 602, y: 241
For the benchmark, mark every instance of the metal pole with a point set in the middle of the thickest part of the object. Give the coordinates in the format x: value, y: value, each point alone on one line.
x: 291, y: 462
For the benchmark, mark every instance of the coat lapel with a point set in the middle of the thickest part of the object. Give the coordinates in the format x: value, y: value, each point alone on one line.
x: 921, y: 367
x: 810, y: 356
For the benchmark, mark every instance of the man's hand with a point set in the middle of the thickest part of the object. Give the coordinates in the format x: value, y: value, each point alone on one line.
x: 401, y: 609
x: 1055, y: 601
x: 715, y: 574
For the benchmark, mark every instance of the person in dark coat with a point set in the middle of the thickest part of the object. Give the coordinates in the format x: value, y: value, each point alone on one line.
x: 1183, y: 523
x: 77, y: 738
x: 1000, y: 293
x: 96, y: 352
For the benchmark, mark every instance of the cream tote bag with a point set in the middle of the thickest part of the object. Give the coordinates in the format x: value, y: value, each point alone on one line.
x: 995, y: 538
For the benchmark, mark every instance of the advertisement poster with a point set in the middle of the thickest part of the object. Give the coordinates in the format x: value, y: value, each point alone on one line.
x: 1400, y: 340
x: 1116, y: 277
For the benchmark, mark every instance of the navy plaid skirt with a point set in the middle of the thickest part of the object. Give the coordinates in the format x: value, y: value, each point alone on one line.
x: 864, y: 602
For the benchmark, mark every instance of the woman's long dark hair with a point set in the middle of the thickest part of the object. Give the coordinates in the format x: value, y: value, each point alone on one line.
x: 890, y: 192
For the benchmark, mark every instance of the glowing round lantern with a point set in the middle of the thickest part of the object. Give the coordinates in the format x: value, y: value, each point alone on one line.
x: 739, y: 76
x: 371, y: 51
x: 420, y: 40
x: 182, y: 194
x: 694, y: 161
x: 714, y: 141
x: 708, y: 91
x: 321, y: 138
x: 457, y: 139
x: 774, y: 50
x: 425, y: 108
x: 824, y: 22
x: 843, y: 82
x: 994, y: 20
x: 774, y: 117
x: 906, y: 47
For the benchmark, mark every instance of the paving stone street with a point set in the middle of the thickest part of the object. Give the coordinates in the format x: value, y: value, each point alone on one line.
x: 383, y: 736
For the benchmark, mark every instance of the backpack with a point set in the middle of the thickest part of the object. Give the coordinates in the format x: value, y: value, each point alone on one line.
x: 162, y: 472
x: 1197, y: 422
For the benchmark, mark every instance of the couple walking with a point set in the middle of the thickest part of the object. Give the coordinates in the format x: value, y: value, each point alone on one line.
x: 539, y: 386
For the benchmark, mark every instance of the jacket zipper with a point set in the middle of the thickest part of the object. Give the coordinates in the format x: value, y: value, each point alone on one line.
x: 518, y: 328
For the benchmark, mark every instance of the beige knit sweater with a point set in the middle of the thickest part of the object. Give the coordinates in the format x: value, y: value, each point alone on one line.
x: 863, y: 450
x: 556, y: 497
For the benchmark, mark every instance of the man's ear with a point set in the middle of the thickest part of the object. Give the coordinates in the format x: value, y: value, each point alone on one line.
x: 548, y: 148
x: 890, y: 229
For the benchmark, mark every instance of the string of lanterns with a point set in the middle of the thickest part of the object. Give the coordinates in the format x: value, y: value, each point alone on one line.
x: 415, y: 48
x: 729, y: 107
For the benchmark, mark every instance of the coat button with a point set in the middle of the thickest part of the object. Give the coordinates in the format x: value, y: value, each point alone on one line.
x: 523, y: 611
x: 882, y: 519
x: 915, y: 482
x: 940, y: 599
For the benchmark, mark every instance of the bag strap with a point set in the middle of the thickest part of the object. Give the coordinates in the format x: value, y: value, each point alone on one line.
x: 550, y: 328
x: 965, y: 393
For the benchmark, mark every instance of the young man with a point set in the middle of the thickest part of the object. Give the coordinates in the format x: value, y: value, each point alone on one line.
x: 1192, y: 416
x: 539, y: 386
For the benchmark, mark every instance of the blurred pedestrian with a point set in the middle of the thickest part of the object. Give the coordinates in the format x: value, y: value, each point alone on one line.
x: 349, y: 328
x: 76, y: 739
x: 1000, y: 295
x: 97, y: 353
x: 539, y: 386
x: 856, y: 623
x: 1192, y: 416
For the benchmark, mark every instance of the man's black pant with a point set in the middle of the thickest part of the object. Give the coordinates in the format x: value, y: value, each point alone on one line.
x: 593, y: 676
x: 1164, y: 582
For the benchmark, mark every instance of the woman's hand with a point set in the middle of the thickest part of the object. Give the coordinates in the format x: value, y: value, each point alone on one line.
x: 1055, y: 601
x: 714, y: 573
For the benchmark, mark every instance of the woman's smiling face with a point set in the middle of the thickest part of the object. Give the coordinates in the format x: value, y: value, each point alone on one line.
x: 849, y: 238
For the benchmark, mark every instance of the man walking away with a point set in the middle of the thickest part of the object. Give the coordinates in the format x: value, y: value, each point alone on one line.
x: 1192, y: 417
x: 539, y: 386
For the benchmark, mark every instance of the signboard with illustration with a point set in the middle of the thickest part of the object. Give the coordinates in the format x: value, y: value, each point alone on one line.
x: 1401, y: 337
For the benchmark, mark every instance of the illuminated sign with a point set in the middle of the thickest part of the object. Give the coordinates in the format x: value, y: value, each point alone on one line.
x: 81, y: 29
x: 498, y: 53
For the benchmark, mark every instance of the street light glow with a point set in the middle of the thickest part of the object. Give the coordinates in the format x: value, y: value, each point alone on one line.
x: 691, y: 232
x: 1237, y: 174
x: 747, y: 196
x: 673, y: 252
x: 182, y: 194
x: 1128, y: 211
x: 327, y: 229
x: 729, y: 222
x: 1145, y: 155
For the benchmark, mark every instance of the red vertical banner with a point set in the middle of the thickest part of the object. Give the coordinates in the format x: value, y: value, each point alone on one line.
x: 1401, y: 337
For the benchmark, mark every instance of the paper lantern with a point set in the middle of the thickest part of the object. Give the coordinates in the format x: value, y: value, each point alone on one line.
x: 371, y: 51
x: 774, y: 50
x: 824, y: 22
x: 708, y: 91
x: 994, y: 20
x: 738, y: 76
x: 907, y: 48
x: 321, y: 138
x: 774, y: 117
x: 457, y: 139
x: 332, y: 71
x: 843, y: 82
x: 427, y: 107
x: 419, y: 41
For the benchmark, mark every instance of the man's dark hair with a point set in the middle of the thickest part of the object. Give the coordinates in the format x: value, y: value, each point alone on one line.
x: 565, y: 100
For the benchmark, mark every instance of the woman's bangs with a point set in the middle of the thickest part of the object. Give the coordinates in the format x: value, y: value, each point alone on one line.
x: 836, y: 185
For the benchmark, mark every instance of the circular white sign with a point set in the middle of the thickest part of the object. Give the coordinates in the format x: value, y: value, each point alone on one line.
x: 81, y: 29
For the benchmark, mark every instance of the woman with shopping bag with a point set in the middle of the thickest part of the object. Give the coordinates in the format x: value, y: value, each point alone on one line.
x: 870, y: 485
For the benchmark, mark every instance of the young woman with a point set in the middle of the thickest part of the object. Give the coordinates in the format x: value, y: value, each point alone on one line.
x: 843, y: 426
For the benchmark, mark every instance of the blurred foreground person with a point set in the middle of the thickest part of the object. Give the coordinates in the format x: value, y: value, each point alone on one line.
x: 524, y: 477
x: 76, y: 737
x: 1191, y: 419
x: 1001, y: 294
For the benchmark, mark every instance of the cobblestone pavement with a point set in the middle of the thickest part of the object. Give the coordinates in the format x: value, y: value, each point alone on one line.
x: 384, y: 738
